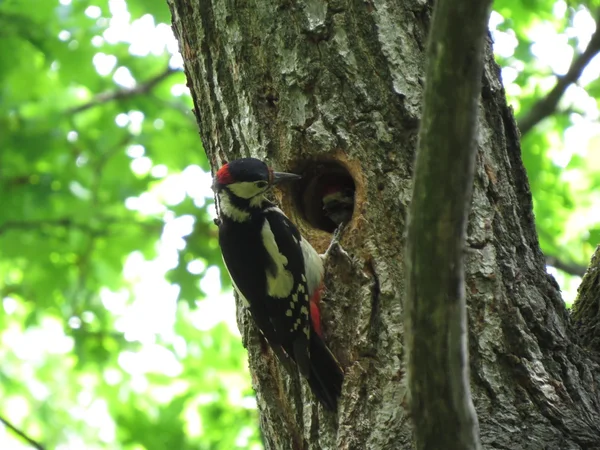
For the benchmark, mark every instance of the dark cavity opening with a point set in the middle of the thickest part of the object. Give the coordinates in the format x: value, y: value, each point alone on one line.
x: 325, y: 194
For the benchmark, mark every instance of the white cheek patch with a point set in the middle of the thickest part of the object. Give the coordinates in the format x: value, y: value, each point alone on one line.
x: 246, y: 189
x: 230, y: 210
x: 257, y: 201
x: 280, y: 282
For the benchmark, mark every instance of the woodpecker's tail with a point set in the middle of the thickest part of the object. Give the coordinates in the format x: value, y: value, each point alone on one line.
x: 326, y: 374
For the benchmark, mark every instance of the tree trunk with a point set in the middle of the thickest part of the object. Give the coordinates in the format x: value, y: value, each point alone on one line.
x: 304, y: 83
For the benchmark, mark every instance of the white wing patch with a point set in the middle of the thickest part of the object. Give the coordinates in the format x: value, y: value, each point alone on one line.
x: 313, y: 264
x: 281, y: 282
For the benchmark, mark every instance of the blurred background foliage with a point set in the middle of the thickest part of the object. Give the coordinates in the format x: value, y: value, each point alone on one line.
x: 117, y: 328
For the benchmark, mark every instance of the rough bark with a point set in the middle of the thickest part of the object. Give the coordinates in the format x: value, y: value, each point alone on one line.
x: 586, y: 309
x: 298, y: 81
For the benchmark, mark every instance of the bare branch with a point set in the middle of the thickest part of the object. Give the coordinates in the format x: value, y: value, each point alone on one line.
x: 547, y: 105
x: 21, y: 434
x: 435, y: 316
x: 142, y: 88
x: 566, y: 266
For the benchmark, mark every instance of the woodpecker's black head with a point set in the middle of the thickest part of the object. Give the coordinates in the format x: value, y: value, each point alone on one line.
x: 246, y: 178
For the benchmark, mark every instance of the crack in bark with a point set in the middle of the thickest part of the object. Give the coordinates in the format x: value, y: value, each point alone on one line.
x: 375, y: 317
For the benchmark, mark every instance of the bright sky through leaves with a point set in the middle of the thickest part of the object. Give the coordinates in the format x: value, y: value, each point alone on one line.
x: 86, y: 362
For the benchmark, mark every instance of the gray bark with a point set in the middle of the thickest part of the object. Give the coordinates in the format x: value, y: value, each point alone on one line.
x: 298, y: 81
x: 586, y: 309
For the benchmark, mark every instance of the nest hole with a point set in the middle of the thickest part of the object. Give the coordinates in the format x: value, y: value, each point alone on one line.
x: 325, y: 194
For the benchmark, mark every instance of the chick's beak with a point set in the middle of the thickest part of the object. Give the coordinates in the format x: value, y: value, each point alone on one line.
x: 282, y: 177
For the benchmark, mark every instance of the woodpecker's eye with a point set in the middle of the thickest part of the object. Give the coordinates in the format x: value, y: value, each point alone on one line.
x: 261, y: 184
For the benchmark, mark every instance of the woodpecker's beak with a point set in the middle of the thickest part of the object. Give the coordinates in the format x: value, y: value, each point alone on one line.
x: 282, y: 177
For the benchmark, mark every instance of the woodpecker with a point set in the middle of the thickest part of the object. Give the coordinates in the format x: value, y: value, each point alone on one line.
x: 277, y: 274
x: 338, y: 203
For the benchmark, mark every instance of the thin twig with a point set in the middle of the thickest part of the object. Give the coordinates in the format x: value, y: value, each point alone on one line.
x: 568, y: 267
x: 21, y: 434
x: 37, y: 224
x: 142, y: 88
x: 67, y: 222
x: 547, y: 105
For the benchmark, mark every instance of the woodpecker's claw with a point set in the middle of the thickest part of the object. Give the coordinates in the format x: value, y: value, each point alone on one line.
x: 334, y: 245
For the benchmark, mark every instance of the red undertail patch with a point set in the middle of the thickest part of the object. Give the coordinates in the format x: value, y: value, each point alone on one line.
x: 315, y: 313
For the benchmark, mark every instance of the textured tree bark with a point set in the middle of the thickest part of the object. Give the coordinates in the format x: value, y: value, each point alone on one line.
x: 295, y: 82
x: 586, y: 310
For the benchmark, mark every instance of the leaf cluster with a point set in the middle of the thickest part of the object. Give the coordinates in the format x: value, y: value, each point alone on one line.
x: 91, y: 190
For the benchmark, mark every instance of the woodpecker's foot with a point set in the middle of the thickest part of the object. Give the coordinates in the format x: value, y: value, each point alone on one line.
x: 334, y: 245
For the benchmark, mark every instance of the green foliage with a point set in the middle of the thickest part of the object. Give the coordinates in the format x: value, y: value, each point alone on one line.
x: 96, y: 351
x: 560, y: 152
x: 109, y: 340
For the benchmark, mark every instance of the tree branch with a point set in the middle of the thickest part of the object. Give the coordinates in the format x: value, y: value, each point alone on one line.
x: 547, y: 105
x: 435, y: 311
x: 568, y: 267
x: 21, y: 434
x: 142, y: 88
x: 67, y: 222
x: 37, y: 224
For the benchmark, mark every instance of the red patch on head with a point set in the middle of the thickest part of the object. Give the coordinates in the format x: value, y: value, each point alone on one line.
x: 224, y: 176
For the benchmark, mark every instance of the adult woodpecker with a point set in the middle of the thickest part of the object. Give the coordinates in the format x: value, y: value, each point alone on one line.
x: 276, y: 272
